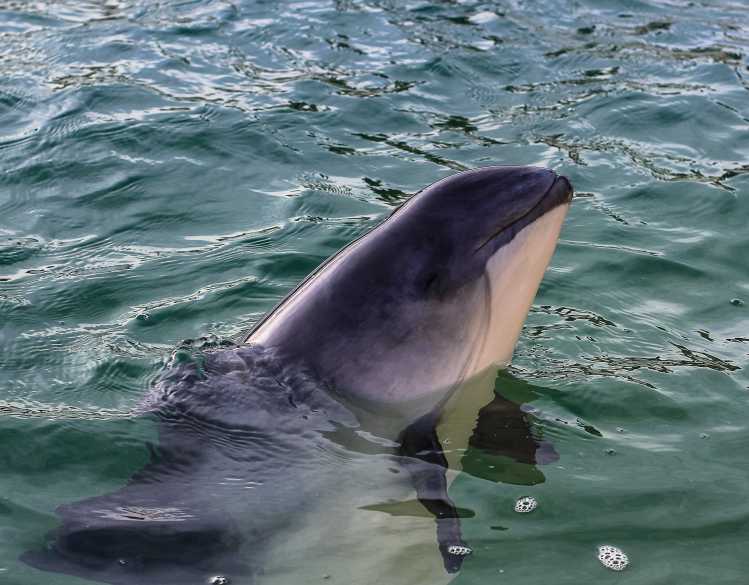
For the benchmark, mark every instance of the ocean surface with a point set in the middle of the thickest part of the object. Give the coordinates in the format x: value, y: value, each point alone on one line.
x: 170, y: 170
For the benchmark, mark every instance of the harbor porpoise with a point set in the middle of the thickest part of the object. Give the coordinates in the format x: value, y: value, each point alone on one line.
x: 269, y: 449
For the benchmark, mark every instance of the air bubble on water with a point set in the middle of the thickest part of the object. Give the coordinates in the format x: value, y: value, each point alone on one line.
x: 459, y: 550
x: 526, y: 504
x: 612, y: 557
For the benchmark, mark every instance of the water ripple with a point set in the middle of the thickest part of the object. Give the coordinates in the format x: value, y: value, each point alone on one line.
x: 170, y: 170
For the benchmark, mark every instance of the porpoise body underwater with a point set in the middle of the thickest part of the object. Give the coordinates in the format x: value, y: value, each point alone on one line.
x: 302, y: 451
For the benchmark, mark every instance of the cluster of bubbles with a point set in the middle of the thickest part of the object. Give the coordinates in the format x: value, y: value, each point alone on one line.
x: 610, y: 556
x: 526, y: 504
x: 460, y: 551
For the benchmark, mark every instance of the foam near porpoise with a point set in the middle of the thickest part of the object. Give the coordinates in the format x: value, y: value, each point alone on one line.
x: 612, y: 557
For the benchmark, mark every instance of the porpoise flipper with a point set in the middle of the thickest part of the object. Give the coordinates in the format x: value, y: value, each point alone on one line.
x: 425, y: 462
x: 165, y: 526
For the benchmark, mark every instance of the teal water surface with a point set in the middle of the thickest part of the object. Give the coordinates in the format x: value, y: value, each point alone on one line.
x: 169, y: 170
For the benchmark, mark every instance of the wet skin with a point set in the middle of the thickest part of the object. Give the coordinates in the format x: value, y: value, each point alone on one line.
x: 376, y: 341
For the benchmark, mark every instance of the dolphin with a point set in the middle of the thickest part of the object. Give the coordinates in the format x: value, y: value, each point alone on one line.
x: 272, y: 450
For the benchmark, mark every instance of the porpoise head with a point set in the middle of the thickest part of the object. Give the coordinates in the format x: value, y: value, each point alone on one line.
x: 433, y: 295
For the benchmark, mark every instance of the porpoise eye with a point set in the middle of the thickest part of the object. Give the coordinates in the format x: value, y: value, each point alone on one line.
x: 431, y: 283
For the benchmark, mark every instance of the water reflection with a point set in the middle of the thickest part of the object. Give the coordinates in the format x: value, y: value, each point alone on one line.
x: 507, y: 445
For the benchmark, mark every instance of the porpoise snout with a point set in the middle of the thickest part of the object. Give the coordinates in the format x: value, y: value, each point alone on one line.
x: 561, y: 189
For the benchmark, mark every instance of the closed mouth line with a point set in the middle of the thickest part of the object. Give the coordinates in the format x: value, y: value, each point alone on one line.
x: 526, y: 214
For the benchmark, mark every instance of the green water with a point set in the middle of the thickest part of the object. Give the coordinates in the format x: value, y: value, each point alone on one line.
x: 170, y: 170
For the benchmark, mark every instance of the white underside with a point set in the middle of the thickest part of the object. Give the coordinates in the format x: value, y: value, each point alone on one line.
x: 514, y: 274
